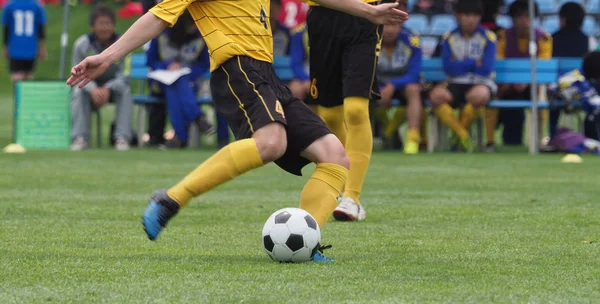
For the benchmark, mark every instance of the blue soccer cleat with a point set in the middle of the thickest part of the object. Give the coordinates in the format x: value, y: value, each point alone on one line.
x: 318, y: 255
x: 160, y: 210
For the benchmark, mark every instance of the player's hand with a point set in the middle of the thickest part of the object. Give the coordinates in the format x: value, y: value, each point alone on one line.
x: 5, y: 53
x: 388, y: 13
x: 387, y: 93
x: 87, y: 70
x: 299, y: 88
x: 306, y: 85
x: 174, y: 66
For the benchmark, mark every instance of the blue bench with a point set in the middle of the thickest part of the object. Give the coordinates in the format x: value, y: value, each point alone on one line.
x: 507, y: 71
x: 138, y: 71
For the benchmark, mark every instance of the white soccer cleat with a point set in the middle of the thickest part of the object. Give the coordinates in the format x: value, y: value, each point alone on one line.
x: 349, y: 210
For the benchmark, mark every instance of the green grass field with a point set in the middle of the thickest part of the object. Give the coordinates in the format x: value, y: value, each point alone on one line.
x: 440, y: 228
x: 459, y: 228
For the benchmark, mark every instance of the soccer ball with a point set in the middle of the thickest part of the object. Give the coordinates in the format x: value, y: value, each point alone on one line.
x: 291, y: 235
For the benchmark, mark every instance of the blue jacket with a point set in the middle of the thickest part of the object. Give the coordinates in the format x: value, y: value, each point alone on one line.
x: 460, y: 56
x: 403, y: 65
x: 193, y: 54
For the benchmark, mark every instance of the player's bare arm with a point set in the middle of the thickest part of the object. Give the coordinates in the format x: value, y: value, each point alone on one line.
x: 142, y: 31
x: 386, y: 13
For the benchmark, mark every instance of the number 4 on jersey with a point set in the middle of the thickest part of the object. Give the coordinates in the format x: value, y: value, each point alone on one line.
x: 263, y: 17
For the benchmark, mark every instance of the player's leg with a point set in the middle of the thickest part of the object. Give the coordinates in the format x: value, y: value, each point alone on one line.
x: 311, y: 140
x: 222, y: 131
x: 334, y: 118
x: 359, y: 64
x: 391, y: 137
x: 441, y: 97
x: 326, y: 69
x: 491, y: 121
x: 81, y: 111
x: 192, y: 113
x: 17, y: 71
x: 254, y: 112
x: 477, y: 97
x: 176, y: 114
x: 414, y: 112
x: 121, y: 94
x: 29, y: 65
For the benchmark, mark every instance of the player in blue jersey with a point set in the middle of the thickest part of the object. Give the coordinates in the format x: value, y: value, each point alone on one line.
x: 398, y: 73
x: 299, y: 50
x: 468, y: 57
x: 583, y: 85
x: 24, y: 33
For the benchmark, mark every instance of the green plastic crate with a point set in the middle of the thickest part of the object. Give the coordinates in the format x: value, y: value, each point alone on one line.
x: 42, y: 114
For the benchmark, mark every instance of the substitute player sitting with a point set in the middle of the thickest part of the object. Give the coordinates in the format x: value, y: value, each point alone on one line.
x: 583, y: 85
x: 398, y: 73
x: 269, y: 123
x: 468, y: 56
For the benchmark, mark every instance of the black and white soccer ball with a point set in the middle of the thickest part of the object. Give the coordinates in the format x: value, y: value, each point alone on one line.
x: 291, y: 235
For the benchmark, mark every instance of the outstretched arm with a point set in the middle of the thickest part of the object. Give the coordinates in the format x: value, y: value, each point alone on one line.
x: 386, y: 13
x: 142, y: 31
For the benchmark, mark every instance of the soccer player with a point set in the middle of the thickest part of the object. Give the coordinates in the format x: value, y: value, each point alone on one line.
x: 24, y: 24
x: 468, y: 57
x: 271, y: 125
x: 343, y: 61
x: 569, y: 41
x: 516, y: 45
x: 181, y: 46
x: 491, y: 9
x: 398, y: 73
x: 583, y: 85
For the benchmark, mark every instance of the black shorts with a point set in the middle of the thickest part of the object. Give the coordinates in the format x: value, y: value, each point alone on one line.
x: 343, y: 56
x: 249, y: 95
x: 24, y: 66
x: 459, y: 93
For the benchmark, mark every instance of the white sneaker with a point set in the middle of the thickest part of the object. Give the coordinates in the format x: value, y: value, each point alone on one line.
x: 79, y: 144
x: 121, y: 144
x: 349, y: 210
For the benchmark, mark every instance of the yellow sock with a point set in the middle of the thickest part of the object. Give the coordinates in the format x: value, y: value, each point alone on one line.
x: 381, y: 116
x: 396, y: 122
x: 446, y: 114
x: 314, y: 107
x: 359, y: 144
x: 467, y: 116
x: 334, y: 118
x: 414, y: 135
x: 491, y: 120
x: 319, y: 196
x: 228, y: 163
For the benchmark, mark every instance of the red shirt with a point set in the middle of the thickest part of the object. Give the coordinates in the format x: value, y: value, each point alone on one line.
x: 293, y: 12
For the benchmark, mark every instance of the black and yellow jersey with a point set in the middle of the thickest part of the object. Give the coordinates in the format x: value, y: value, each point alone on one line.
x: 229, y: 27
